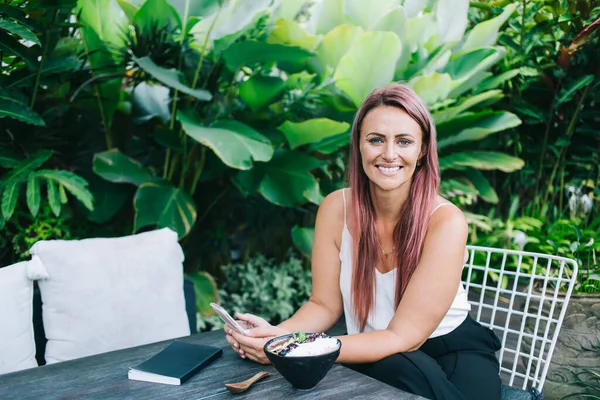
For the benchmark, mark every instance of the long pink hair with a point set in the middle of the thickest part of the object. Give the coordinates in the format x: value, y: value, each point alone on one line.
x: 410, y: 231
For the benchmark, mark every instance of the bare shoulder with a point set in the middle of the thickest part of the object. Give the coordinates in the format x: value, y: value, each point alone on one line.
x: 330, y: 217
x: 447, y: 216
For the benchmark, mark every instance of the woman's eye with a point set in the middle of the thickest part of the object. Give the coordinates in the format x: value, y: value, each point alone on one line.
x: 404, y: 142
x: 375, y: 140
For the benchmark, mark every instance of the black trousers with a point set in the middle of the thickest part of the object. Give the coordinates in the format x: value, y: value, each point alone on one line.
x: 460, y: 365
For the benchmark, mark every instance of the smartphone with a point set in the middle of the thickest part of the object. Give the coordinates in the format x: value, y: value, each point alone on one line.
x: 232, y: 323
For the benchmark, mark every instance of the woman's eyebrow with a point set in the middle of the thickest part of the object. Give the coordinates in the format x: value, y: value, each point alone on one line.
x: 382, y: 135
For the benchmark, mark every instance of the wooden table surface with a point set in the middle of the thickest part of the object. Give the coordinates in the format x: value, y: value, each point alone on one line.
x: 104, y: 376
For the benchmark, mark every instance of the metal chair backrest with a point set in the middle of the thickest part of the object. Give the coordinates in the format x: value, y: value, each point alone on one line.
x: 513, y: 293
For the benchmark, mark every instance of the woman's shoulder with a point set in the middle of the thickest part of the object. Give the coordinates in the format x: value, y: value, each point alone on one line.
x: 445, y: 213
x: 333, y: 204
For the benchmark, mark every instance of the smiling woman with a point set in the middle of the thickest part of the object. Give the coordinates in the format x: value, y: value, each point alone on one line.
x: 390, y: 146
x: 396, y: 249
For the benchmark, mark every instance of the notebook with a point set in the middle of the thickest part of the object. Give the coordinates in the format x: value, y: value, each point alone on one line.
x: 175, y: 364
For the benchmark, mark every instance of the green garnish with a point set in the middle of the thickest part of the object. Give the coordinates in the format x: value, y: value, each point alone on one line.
x: 301, y: 337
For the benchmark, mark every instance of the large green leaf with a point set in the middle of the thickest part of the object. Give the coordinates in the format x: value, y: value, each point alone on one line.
x: 335, y: 45
x: 468, y: 103
x: 205, y: 288
x: 483, y: 186
x: 367, y: 14
x: 72, y: 182
x: 288, y: 10
x: 115, y: 166
x: 129, y: 9
x: 470, y: 78
x: 156, y: 14
x: 161, y: 204
x: 311, y: 131
x: 496, y: 80
x: 250, y: 52
x: 326, y: 15
x: 236, y: 17
x: 486, y: 33
x: 100, y: 40
x: 432, y: 87
x: 474, y: 127
x: 109, y: 198
x: 33, y: 194
x: 416, y: 7
x: 291, y: 33
x: 287, y: 181
x: 452, y: 17
x: 420, y: 29
x: 436, y: 61
x: 195, y: 8
x: 357, y: 75
x: 463, y: 66
x: 451, y: 187
x: 303, y: 239
x: 105, y: 18
x: 14, y: 109
x: 235, y: 143
x: 170, y: 77
x: 259, y: 90
x: 484, y: 160
x: 247, y: 181
x: 331, y: 144
x: 396, y: 21
x: 19, y: 30
x: 149, y: 101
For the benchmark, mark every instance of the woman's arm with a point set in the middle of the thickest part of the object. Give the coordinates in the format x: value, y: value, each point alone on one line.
x: 324, y: 306
x: 427, y: 298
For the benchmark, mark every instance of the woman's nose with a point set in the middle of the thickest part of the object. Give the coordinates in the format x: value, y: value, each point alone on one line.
x: 389, y: 152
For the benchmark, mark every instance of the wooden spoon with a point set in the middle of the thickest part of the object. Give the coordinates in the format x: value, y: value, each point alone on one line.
x: 243, y: 386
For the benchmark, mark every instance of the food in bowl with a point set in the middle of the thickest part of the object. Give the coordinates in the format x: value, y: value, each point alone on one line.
x: 302, y: 345
x: 303, y: 359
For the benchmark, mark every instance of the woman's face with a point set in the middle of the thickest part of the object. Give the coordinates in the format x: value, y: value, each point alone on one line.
x: 390, y: 146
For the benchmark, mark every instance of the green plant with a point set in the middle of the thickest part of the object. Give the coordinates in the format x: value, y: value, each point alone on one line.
x: 261, y: 286
x: 265, y: 101
x: 553, y: 86
x: 570, y: 238
x: 26, y: 230
x: 36, y: 56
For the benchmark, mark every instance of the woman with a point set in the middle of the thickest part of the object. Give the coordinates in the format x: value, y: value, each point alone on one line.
x: 405, y: 308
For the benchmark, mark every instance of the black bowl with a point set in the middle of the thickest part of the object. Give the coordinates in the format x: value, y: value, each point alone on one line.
x: 302, y: 372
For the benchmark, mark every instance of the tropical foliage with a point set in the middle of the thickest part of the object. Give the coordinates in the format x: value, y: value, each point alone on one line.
x: 551, y: 205
x: 228, y: 120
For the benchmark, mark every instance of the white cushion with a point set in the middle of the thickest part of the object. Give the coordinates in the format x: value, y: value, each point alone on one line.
x: 107, y: 294
x: 17, y: 344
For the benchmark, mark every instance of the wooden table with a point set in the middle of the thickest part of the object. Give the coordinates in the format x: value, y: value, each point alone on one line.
x: 104, y: 376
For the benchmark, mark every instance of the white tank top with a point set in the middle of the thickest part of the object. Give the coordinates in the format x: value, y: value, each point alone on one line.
x: 385, y: 291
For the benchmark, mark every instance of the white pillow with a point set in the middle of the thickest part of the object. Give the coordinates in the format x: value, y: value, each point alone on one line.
x: 17, y: 344
x: 107, y: 294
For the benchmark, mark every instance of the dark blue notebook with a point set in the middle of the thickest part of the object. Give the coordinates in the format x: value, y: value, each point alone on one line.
x: 175, y: 364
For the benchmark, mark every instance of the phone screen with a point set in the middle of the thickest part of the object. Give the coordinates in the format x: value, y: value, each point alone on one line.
x: 224, y: 315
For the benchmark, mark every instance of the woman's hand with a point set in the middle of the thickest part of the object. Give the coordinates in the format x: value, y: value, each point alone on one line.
x: 251, y: 344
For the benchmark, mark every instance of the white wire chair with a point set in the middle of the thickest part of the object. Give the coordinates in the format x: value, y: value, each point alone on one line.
x: 506, y: 288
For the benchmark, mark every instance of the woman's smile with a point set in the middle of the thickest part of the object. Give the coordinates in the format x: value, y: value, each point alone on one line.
x: 389, y: 169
